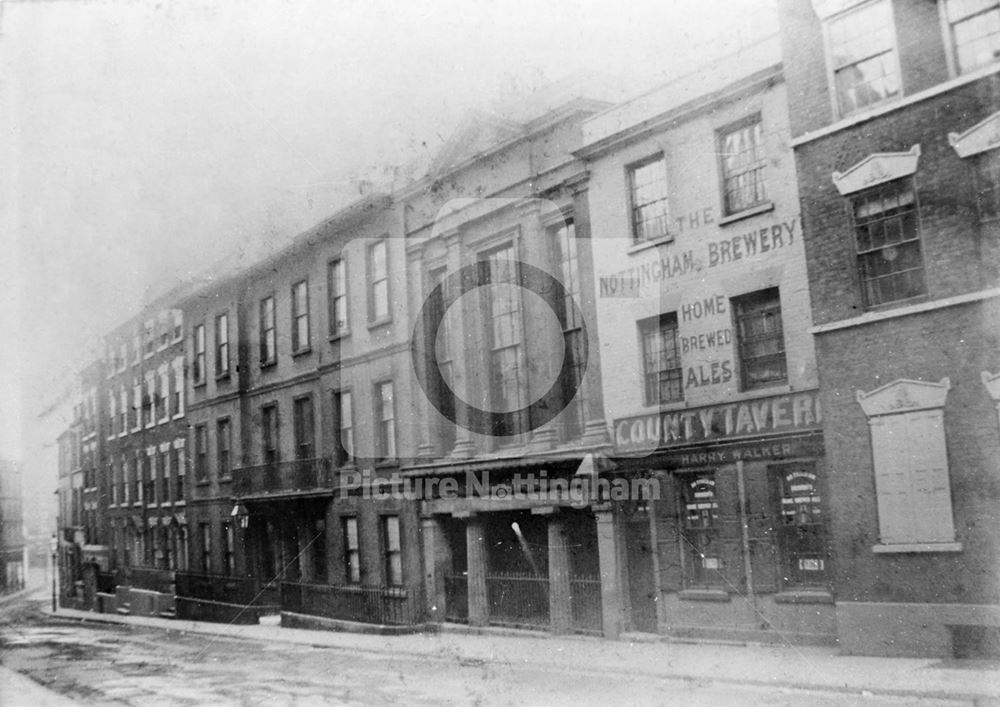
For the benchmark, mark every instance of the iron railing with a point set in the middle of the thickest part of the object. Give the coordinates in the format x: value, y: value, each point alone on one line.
x: 297, y: 476
x: 245, y: 591
x: 585, y: 603
x: 518, y: 599
x: 372, y: 604
x: 150, y: 578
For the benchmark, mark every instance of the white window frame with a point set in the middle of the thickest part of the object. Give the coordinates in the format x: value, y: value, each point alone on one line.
x: 831, y: 69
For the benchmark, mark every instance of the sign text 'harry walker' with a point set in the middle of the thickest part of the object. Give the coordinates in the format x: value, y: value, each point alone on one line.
x: 794, y: 412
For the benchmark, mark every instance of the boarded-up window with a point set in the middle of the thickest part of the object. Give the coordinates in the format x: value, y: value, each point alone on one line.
x: 911, y: 478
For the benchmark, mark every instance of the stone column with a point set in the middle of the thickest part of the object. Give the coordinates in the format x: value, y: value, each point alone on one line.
x: 560, y: 609
x: 464, y: 445
x: 436, y: 556
x: 479, y: 612
x: 611, y: 568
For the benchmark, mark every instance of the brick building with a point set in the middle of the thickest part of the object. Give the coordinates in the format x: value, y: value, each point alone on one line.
x: 13, y: 555
x: 299, y: 402
x: 894, y: 126
x: 710, y: 376
x: 145, y: 439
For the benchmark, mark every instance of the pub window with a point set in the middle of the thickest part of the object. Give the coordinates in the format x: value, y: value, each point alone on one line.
x: 300, y: 316
x: 862, y: 51
x: 741, y: 150
x: 352, y: 551
x: 198, y: 365
x: 887, y: 233
x: 760, y: 338
x: 567, y: 255
x: 975, y: 32
x: 661, y: 360
x: 647, y: 184
x: 800, y: 526
x: 988, y: 184
x: 222, y: 346
x: 700, y: 529
x: 337, y: 289
x: 269, y: 434
x: 302, y: 425
x: 267, y: 340
x: 343, y: 426
x: 391, y: 551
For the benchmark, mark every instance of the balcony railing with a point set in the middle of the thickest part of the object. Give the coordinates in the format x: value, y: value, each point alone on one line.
x: 298, y: 476
x: 389, y: 606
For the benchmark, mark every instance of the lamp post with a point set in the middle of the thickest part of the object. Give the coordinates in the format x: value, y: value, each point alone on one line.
x: 53, y: 547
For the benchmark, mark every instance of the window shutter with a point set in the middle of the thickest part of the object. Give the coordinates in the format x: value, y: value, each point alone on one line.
x: 892, y: 478
x: 930, y: 490
x: 668, y: 536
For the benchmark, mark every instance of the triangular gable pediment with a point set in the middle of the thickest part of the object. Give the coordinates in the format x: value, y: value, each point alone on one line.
x: 478, y: 133
x: 877, y: 168
x: 979, y: 138
x: 904, y: 396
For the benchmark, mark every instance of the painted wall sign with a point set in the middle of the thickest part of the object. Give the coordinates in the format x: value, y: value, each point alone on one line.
x: 670, y: 265
x: 794, y: 412
x: 809, y: 446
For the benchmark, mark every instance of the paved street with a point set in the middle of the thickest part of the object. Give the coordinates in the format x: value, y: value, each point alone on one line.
x: 128, y: 665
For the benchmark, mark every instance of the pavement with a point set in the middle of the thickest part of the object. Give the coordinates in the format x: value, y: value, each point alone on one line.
x: 809, y: 668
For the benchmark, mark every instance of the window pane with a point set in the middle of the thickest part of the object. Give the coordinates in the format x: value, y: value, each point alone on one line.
x: 648, y: 185
x: 661, y: 360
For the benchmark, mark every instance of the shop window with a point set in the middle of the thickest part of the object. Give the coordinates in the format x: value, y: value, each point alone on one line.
x: 975, y: 32
x: 862, y: 55
x: 887, y: 233
x: 647, y: 183
x: 760, y: 339
x: 700, y: 529
x: 800, y: 525
x: 661, y: 360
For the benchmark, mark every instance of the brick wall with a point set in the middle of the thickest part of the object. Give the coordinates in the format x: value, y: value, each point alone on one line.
x: 957, y: 342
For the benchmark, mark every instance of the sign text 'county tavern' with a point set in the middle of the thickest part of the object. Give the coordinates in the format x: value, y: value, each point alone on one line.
x: 795, y: 412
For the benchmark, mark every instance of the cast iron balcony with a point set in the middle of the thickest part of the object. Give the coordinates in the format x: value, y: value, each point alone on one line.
x: 299, y: 477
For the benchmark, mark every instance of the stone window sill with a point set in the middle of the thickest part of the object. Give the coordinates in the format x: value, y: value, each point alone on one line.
x: 916, y: 547
x: 703, y: 595
x: 803, y: 596
x: 747, y: 213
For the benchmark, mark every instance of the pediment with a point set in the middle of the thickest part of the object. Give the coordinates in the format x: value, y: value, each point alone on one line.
x: 904, y: 396
x: 479, y: 132
x: 877, y: 168
x: 979, y: 138
x: 992, y: 383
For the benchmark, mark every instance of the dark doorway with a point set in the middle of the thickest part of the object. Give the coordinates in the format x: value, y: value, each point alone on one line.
x: 639, y: 561
x: 456, y: 580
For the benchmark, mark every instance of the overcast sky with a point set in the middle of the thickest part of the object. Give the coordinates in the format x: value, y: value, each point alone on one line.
x: 142, y: 141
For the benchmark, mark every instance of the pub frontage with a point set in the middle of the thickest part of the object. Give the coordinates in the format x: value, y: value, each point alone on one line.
x: 734, y: 544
